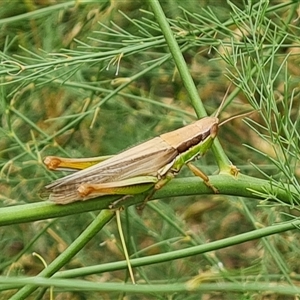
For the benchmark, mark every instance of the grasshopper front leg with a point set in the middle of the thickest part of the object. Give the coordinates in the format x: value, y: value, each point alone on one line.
x: 203, y: 176
x: 171, y: 173
x: 185, y: 158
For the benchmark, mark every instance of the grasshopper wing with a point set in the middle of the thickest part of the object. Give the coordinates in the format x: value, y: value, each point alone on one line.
x: 145, y: 159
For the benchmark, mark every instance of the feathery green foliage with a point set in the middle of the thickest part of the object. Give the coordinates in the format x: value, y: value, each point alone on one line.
x: 92, y: 78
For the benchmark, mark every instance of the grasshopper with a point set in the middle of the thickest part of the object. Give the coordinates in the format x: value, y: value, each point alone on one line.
x: 149, y: 165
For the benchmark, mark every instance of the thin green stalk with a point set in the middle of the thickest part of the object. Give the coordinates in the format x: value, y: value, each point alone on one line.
x: 101, y: 220
x: 227, y: 185
x: 198, y: 284
x: 221, y: 158
x: 178, y: 58
x: 186, y: 252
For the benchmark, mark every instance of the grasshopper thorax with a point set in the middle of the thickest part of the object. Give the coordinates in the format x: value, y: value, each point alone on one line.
x: 186, y: 137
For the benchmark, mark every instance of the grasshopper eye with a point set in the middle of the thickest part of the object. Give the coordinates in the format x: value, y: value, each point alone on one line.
x: 214, y: 130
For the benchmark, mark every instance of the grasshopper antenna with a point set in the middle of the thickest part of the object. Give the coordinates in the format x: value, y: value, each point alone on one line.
x: 233, y: 117
x: 223, y: 101
x: 237, y: 116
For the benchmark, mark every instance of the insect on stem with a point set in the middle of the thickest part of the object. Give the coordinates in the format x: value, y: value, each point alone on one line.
x: 146, y: 167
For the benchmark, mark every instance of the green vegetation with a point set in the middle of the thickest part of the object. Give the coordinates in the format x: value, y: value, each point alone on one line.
x: 89, y: 78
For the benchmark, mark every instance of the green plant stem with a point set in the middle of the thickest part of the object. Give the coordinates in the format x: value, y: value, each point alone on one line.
x: 227, y: 185
x: 178, y: 288
x: 221, y: 158
x: 102, y: 219
x: 178, y: 58
x: 159, y: 258
x: 212, y: 246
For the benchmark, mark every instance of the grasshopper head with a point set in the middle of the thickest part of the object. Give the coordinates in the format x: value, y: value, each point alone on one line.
x: 214, y: 127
